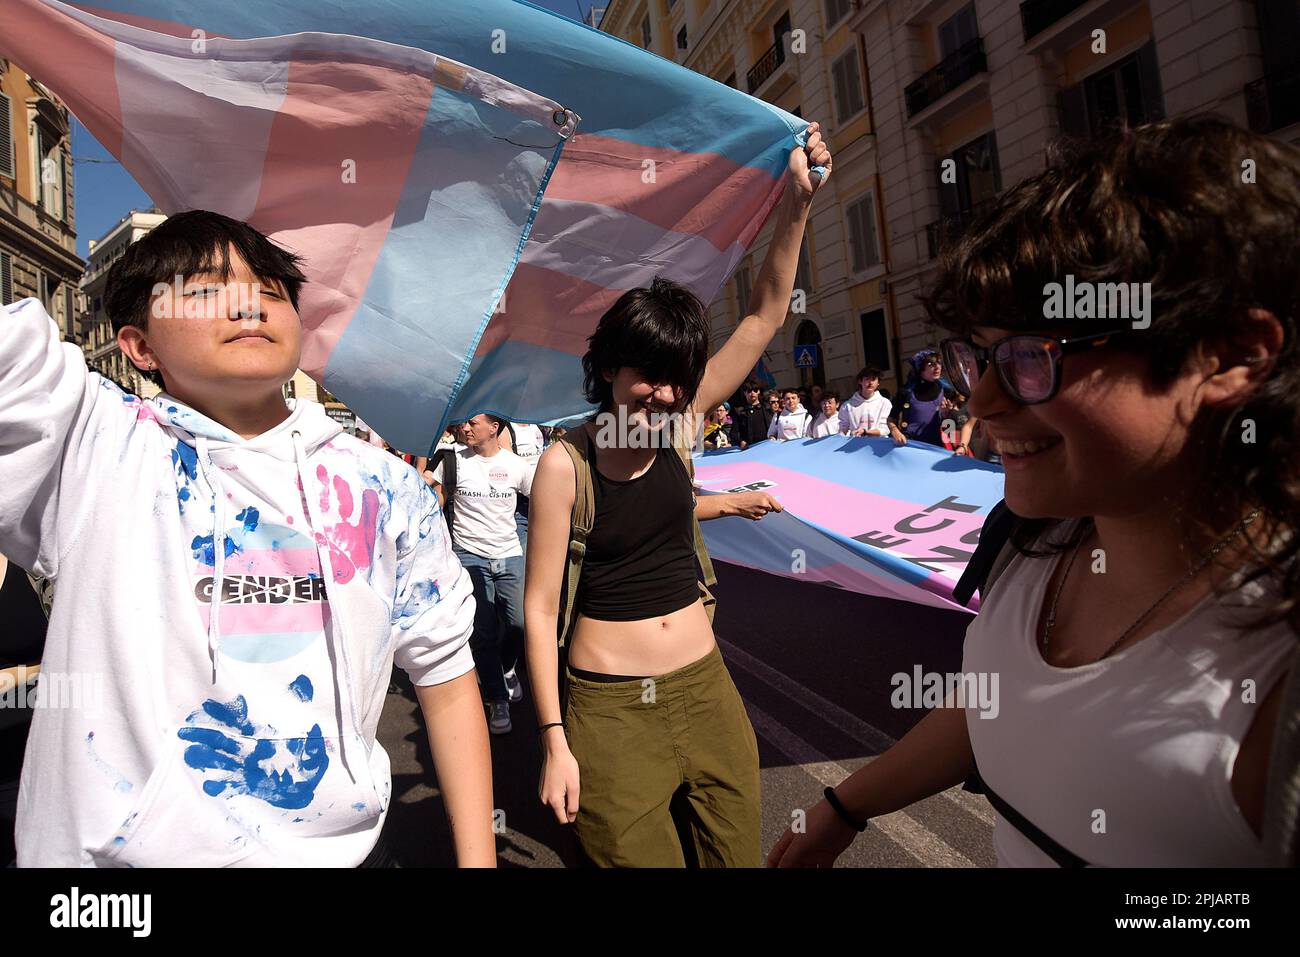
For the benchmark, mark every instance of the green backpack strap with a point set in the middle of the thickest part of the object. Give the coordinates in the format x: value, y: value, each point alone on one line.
x: 577, y: 443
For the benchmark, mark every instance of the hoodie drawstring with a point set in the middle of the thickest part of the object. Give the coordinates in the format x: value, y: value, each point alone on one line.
x: 213, y: 476
x: 327, y: 572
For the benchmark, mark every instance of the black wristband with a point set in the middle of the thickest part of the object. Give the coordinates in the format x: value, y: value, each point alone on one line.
x: 553, y: 724
x: 834, y: 802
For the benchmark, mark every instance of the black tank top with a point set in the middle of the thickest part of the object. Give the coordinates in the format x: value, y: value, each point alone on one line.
x: 640, y: 560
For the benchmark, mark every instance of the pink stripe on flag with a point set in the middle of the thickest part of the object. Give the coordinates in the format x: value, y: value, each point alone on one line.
x: 550, y: 309
x: 71, y: 51
x: 851, y: 512
x: 701, y: 193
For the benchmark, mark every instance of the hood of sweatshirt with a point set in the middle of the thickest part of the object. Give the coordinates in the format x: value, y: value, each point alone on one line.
x: 201, y: 442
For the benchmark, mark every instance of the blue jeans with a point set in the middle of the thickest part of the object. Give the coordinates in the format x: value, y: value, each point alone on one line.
x: 498, y: 638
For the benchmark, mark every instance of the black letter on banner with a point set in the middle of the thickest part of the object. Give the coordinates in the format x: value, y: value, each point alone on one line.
x: 956, y: 556
x: 906, y: 525
x: 953, y: 505
x: 878, y: 539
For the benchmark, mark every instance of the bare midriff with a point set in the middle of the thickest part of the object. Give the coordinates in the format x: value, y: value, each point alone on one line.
x: 648, y: 647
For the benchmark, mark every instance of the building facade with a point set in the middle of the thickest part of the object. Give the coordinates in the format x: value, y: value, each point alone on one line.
x: 968, y: 95
x: 802, y: 56
x: 934, y: 107
x: 98, y: 340
x: 38, y: 238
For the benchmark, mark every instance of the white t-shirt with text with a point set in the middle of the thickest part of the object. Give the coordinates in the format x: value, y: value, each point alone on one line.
x: 486, y: 494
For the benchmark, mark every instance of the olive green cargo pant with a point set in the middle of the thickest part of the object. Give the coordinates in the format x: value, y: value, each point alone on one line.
x: 668, y: 769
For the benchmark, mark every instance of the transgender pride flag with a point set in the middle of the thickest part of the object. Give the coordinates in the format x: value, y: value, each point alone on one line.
x: 860, y: 513
x: 472, y: 184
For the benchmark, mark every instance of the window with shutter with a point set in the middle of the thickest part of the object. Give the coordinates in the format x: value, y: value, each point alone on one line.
x: 6, y: 279
x: 848, y: 86
x: 862, y: 234
x: 6, y: 137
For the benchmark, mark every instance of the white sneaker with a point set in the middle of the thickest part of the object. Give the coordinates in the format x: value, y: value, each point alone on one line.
x: 514, y: 687
x: 498, y: 716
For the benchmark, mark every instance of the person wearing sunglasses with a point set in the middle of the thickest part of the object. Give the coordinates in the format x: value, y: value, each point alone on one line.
x: 750, y: 419
x: 1146, y: 610
x: 918, y: 411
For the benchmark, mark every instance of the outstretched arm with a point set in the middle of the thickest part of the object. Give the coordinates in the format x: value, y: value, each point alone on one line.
x: 775, y: 282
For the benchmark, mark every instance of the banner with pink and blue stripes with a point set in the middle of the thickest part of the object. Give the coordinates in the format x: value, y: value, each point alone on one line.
x: 859, y: 513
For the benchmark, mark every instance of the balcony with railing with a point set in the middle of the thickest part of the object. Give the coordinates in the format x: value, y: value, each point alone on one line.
x: 964, y: 63
x: 1037, y: 15
x: 942, y: 232
x: 766, y: 65
x: 1273, y: 101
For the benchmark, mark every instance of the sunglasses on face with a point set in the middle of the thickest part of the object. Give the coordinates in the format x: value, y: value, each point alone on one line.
x: 1028, y: 367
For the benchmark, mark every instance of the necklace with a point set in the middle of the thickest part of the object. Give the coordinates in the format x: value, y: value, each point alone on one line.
x: 1196, y: 570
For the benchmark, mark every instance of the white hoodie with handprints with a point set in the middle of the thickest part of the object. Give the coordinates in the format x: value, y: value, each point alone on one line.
x: 227, y: 613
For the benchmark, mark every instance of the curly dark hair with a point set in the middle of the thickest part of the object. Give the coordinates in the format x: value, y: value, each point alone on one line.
x: 662, y: 330
x: 1175, y: 204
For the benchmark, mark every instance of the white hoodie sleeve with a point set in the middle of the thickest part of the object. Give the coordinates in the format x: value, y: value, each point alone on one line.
x: 52, y: 412
x: 433, y: 608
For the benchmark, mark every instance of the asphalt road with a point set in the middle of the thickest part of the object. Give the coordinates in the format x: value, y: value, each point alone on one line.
x: 813, y: 664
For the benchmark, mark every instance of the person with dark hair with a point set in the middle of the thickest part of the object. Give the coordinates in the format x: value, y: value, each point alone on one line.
x: 750, y: 417
x: 793, y: 421
x: 486, y: 482
x: 828, y: 420
x: 245, y: 577
x: 867, y: 411
x: 651, y: 756
x: 917, y: 412
x: 1145, y: 610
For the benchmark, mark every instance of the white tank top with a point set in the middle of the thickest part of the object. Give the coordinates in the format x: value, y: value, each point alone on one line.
x: 1147, y: 736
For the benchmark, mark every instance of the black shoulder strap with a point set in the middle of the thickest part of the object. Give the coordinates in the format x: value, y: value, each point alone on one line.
x: 1062, y: 855
x: 993, y: 537
x: 448, y: 459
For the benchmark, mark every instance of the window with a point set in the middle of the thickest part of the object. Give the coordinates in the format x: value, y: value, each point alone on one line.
x: 50, y: 169
x: 681, y: 39
x: 6, y: 279
x: 6, y: 137
x: 957, y: 31
x: 847, y: 78
x: 70, y: 311
x: 864, y: 252
x: 875, y: 341
x: 835, y: 11
x: 1126, y: 94
x: 978, y: 177
x: 780, y: 30
x: 744, y: 288
x: 645, y: 32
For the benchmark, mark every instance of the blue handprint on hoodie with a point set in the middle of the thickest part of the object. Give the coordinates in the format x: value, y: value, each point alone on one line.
x: 246, y: 763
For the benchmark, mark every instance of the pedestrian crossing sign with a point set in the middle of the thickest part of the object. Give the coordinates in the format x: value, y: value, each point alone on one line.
x: 805, y: 357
